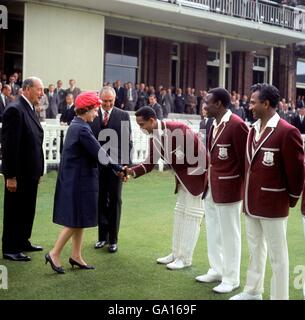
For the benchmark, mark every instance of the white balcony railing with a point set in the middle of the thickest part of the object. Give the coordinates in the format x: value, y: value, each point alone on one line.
x: 259, y: 11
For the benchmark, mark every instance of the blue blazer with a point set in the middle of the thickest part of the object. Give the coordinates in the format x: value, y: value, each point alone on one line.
x: 77, y: 186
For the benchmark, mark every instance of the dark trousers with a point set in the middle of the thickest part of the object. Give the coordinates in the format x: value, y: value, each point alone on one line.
x: 110, y: 204
x: 18, y: 216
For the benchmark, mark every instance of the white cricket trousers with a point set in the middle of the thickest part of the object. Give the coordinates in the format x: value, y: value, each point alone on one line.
x: 223, y: 239
x: 267, y: 235
x: 187, y: 220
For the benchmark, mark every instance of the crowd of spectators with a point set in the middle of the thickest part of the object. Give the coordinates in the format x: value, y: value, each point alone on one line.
x: 58, y: 100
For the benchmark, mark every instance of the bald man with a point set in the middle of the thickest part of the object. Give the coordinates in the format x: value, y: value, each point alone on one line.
x: 22, y: 166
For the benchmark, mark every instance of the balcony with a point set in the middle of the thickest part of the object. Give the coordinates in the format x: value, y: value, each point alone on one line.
x: 266, y: 12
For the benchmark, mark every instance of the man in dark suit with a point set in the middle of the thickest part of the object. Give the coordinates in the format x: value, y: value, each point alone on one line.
x: 155, y: 105
x: 22, y: 166
x: 53, y: 99
x: 119, y: 90
x: 205, y: 124
x: 299, y: 120
x: 14, y: 87
x: 73, y: 89
x: 4, y: 99
x: 117, y: 142
x: 179, y: 102
x: 68, y: 112
x: 61, y: 95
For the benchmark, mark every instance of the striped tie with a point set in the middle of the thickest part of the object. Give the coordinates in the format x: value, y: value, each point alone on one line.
x: 106, y: 118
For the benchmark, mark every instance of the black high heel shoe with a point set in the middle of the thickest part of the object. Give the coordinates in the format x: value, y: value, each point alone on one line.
x: 81, y: 266
x: 53, y: 266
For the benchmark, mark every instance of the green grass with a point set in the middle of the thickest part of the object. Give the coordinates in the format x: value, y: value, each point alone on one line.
x: 131, y: 273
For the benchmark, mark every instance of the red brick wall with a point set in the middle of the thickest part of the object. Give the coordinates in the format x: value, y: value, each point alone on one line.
x: 284, y: 71
x: 242, y: 71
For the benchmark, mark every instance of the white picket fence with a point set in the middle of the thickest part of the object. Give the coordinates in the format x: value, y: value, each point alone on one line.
x: 54, y: 133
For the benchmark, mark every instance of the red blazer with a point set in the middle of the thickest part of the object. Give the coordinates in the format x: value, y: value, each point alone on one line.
x: 275, y: 173
x: 178, y: 146
x: 227, y: 156
x: 303, y: 202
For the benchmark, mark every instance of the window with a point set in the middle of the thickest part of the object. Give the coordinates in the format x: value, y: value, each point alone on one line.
x: 260, y: 68
x: 301, y: 72
x: 213, y: 69
x: 121, y: 58
x: 175, y: 65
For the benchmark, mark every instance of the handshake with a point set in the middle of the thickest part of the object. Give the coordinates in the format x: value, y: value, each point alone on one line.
x: 125, y: 173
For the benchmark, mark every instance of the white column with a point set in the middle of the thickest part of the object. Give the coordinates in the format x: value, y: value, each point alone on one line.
x: 222, y: 63
x: 271, y: 65
x: 62, y: 43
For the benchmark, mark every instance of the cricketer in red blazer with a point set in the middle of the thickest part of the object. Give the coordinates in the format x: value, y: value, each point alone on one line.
x: 274, y: 171
x: 178, y: 154
x: 226, y: 160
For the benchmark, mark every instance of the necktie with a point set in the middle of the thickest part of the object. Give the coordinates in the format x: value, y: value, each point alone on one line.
x: 106, y: 118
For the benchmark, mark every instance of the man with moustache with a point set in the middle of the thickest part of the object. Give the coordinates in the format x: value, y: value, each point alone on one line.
x: 273, y: 183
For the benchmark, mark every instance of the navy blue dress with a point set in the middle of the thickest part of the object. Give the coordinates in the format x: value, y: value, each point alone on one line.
x: 77, y: 186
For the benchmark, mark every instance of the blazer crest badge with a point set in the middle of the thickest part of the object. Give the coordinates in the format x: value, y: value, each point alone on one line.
x: 223, y: 153
x: 268, y: 159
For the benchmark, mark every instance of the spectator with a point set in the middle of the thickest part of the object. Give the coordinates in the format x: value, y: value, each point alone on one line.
x: 154, y: 105
x: 53, y: 99
x: 68, y: 111
x: 73, y: 89
x: 130, y: 98
x: 61, y: 93
x: 179, y: 102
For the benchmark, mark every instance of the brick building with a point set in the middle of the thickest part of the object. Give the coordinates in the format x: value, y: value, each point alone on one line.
x: 197, y: 43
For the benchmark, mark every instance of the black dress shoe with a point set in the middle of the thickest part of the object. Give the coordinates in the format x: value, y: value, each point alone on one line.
x: 100, y: 244
x: 33, y: 248
x: 113, y: 248
x: 53, y: 266
x: 16, y: 256
x: 81, y: 266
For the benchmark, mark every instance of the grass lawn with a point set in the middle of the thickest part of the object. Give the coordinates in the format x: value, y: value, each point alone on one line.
x: 131, y: 273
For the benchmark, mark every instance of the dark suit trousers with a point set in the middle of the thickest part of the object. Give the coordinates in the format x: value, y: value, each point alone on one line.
x: 110, y: 203
x: 18, y: 216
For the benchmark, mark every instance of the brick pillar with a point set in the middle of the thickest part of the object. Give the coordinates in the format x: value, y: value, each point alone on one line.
x: 200, y: 68
x: 248, y: 73
x: 285, y: 71
x: 163, y: 63
x: 242, y: 71
x: 237, y: 71
x: 183, y: 65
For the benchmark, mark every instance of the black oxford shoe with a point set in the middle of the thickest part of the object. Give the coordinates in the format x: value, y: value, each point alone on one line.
x: 16, y: 256
x: 100, y: 244
x: 113, y: 248
x: 32, y: 248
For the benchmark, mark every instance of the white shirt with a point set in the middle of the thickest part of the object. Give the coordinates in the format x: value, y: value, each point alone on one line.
x: 130, y: 94
x: 272, y: 123
x: 109, y: 112
x: 29, y: 103
x: 225, y: 118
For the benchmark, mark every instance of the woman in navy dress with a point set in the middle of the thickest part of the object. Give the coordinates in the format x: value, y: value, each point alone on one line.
x: 76, y: 194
